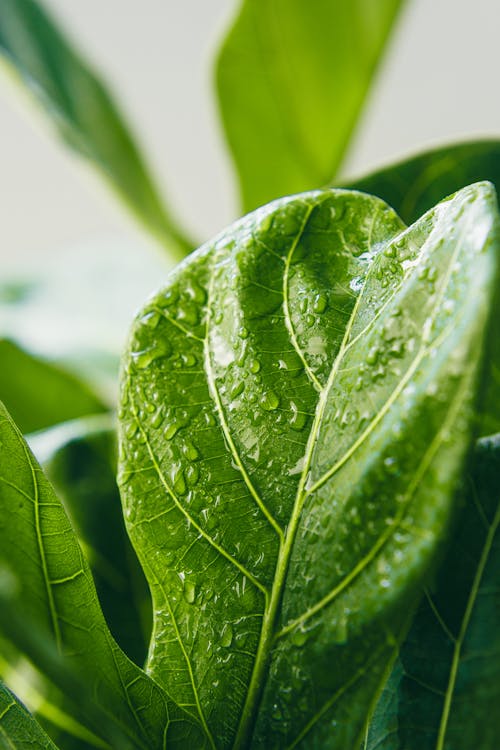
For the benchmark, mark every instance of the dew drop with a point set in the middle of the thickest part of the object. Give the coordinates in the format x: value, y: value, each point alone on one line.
x: 171, y: 429
x: 131, y: 429
x: 190, y: 451
x: 372, y: 355
x: 157, y: 418
x: 151, y: 319
x: 226, y: 635
x: 299, y: 419
x: 243, y: 332
x: 237, y: 389
x: 299, y: 637
x: 189, y: 592
x: 320, y: 303
x: 269, y: 401
x: 179, y: 481
x: 192, y: 474
x: 254, y: 366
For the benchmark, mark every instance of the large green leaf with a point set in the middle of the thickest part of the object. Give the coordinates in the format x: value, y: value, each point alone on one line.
x: 286, y: 460
x: 79, y: 458
x: 413, y: 186
x: 291, y: 81
x: 83, y: 111
x: 18, y: 729
x: 49, y: 610
x: 40, y: 394
x: 445, y: 691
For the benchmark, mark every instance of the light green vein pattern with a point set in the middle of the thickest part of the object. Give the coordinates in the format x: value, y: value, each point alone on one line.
x: 272, y: 387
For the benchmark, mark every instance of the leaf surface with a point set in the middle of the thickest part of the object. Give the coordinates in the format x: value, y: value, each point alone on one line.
x: 414, y: 186
x: 18, y: 729
x: 281, y: 500
x: 291, y: 82
x: 445, y: 691
x: 79, y: 458
x: 83, y: 111
x: 40, y: 394
x: 49, y: 610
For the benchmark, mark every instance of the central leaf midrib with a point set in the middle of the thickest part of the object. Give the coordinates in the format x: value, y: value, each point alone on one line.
x: 268, y: 631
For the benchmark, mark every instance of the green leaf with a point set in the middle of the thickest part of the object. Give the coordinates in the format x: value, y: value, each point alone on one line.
x: 413, y: 186
x: 74, y: 310
x: 286, y: 460
x: 79, y: 458
x: 40, y: 394
x: 49, y: 610
x: 18, y: 729
x: 446, y: 690
x: 83, y: 111
x: 291, y: 81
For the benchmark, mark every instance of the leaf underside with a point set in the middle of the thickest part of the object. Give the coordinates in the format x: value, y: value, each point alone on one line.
x: 445, y: 690
x: 49, y: 611
x: 18, y: 729
x: 282, y: 501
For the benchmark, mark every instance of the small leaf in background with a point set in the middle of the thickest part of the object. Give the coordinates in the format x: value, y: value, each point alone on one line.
x: 295, y: 411
x: 74, y: 310
x: 291, y: 81
x: 39, y: 394
x: 50, y: 612
x: 79, y: 459
x: 412, y: 187
x: 445, y: 692
x: 82, y: 109
x: 18, y: 729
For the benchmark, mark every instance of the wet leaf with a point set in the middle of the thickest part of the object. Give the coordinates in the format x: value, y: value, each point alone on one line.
x: 49, y: 611
x: 291, y: 84
x: 445, y: 690
x: 18, y: 729
x: 296, y: 406
x: 79, y: 458
x: 415, y: 185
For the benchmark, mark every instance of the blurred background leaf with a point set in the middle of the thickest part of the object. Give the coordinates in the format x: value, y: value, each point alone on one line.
x: 83, y: 111
x: 445, y: 689
x: 291, y: 81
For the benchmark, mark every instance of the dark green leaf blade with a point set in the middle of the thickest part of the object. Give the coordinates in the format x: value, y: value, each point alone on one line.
x: 40, y: 394
x: 18, y: 729
x: 412, y: 186
x: 446, y: 690
x: 79, y: 458
x: 48, y: 585
x: 291, y: 82
x: 83, y: 111
x: 275, y: 487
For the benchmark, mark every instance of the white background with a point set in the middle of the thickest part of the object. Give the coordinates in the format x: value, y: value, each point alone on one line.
x: 438, y: 83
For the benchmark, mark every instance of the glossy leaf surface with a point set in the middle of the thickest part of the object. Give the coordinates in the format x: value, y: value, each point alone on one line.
x: 40, y: 394
x: 18, y: 729
x: 49, y: 609
x: 79, y: 459
x: 445, y: 691
x: 412, y: 187
x: 82, y: 109
x: 282, y: 502
x: 291, y: 82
